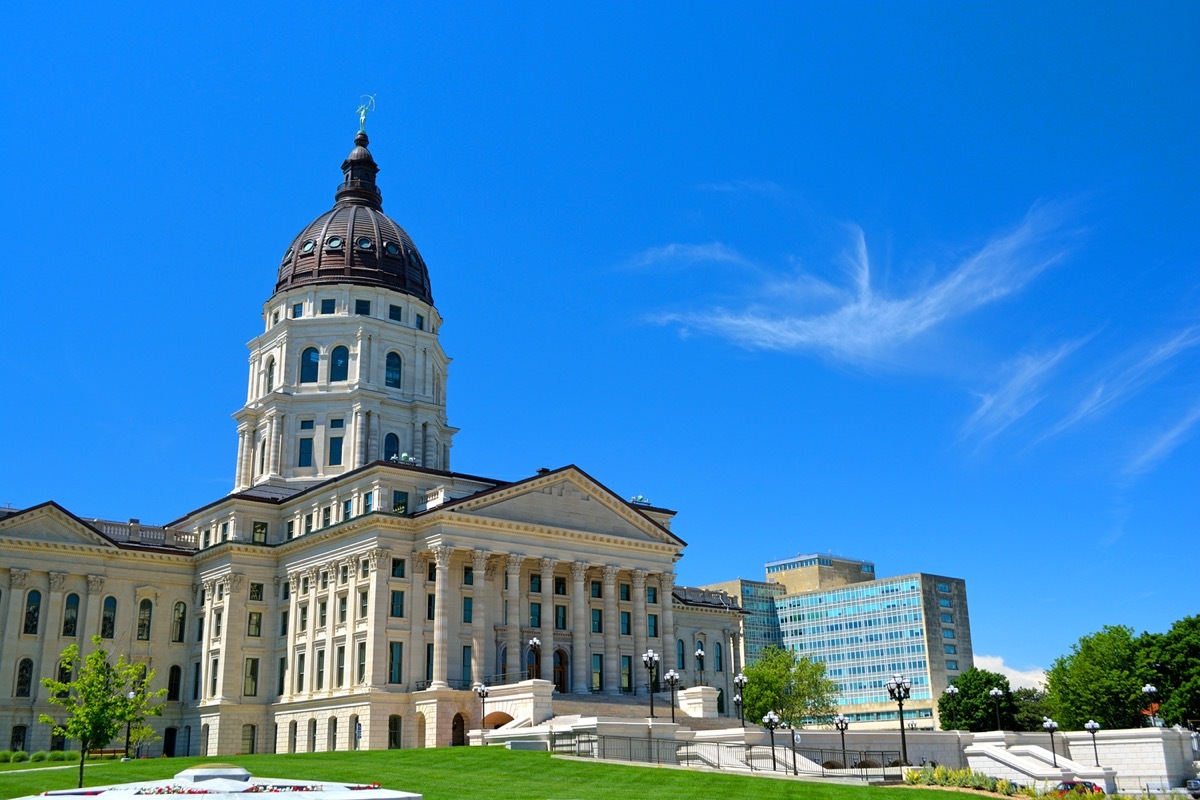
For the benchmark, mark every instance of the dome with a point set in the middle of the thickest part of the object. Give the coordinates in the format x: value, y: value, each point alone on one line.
x: 355, y: 242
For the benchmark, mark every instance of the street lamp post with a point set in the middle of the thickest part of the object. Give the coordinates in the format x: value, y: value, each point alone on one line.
x: 700, y: 662
x: 1051, y: 726
x: 672, y: 679
x: 739, y: 682
x: 737, y: 705
x: 1093, y: 727
x: 951, y: 700
x: 129, y: 720
x: 482, y: 691
x: 535, y: 647
x: 995, y: 693
x: 1149, y: 691
x: 842, y: 722
x: 795, y: 741
x: 771, y: 720
x: 650, y: 660
x: 899, y: 690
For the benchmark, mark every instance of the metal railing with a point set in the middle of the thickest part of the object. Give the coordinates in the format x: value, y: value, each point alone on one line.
x: 863, y: 764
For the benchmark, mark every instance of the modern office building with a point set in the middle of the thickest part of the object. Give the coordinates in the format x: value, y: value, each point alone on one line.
x: 352, y: 590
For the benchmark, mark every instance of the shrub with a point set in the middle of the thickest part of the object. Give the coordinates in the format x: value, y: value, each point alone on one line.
x: 56, y: 755
x: 5, y: 755
x: 72, y: 755
x: 20, y: 755
x: 40, y: 755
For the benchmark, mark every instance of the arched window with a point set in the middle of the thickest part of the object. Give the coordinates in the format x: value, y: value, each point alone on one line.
x: 178, y: 622
x: 24, y: 677
x: 339, y: 364
x: 394, y: 371
x: 174, y: 681
x: 33, y: 610
x: 353, y: 729
x: 71, y: 616
x: 145, y: 611
x: 310, y: 359
x: 679, y: 662
x: 270, y: 376
x: 108, y: 618
x: 394, y: 732
x: 391, y: 447
x: 718, y: 664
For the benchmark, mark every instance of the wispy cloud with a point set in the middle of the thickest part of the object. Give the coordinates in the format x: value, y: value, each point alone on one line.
x: 1020, y: 392
x: 1164, y: 445
x: 1112, y: 391
x: 865, y: 324
x: 1034, y: 678
x: 677, y: 255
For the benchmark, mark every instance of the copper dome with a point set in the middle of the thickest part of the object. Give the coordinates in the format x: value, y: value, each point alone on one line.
x: 355, y: 242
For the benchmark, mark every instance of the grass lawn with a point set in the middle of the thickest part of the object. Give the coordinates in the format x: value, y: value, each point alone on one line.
x: 487, y: 773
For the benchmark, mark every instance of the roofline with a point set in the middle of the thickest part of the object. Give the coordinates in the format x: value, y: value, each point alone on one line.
x: 117, y: 544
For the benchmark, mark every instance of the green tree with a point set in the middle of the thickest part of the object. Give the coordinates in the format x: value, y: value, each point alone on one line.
x: 1031, y: 707
x: 794, y: 688
x: 1171, y: 661
x: 973, y: 708
x: 92, y: 697
x: 139, y: 702
x: 1101, y: 679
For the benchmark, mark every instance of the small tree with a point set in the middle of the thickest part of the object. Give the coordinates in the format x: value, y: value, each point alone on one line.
x: 137, y: 677
x: 973, y: 708
x: 795, y: 688
x: 92, y: 696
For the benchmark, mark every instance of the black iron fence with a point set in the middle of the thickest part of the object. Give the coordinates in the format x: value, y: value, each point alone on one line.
x: 798, y: 760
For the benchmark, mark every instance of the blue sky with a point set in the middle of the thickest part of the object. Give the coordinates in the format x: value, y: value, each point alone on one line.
x: 910, y: 282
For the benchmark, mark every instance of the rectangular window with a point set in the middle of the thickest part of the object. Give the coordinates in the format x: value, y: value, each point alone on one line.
x: 303, y: 618
x: 304, y: 585
x: 397, y: 567
x: 326, y: 516
x: 596, y: 589
x: 212, y: 678
x: 397, y: 604
x: 535, y: 615
x: 322, y: 613
x: 339, y: 667
x: 220, y: 591
x: 431, y: 572
x: 200, y: 630
x: 281, y: 680
x: 362, y: 308
x: 250, y: 684
x: 468, y: 610
x: 951, y: 649
x: 308, y: 523
x: 305, y: 457
x: 283, y: 623
x: 625, y: 592
x: 335, y: 451
x: 299, y: 672
x: 368, y: 505
x: 196, y: 681
x: 429, y: 603
x: 652, y: 625
x: 947, y: 633
x: 597, y: 620
x: 948, y: 619
x: 399, y: 502
x: 364, y: 605
x: 298, y: 311
x: 560, y: 584
x: 328, y: 306
x: 626, y: 623
x: 320, y: 660
x: 597, y: 672
x: 429, y: 661
x: 307, y: 424
x: 258, y: 534
x: 224, y: 531
x: 943, y: 587
x: 216, y: 625
x: 287, y: 590
x: 651, y: 594
x: 362, y: 662
x: 468, y: 576
x: 342, y: 609
x: 395, y: 662
x: 626, y: 673
x: 256, y: 591
x: 254, y: 624
x: 206, y: 537
x: 560, y: 618
x: 396, y: 313
x: 420, y: 322
x: 364, y: 569
x: 535, y: 583
x: 291, y: 528
x: 951, y: 664
x: 344, y: 574
x: 466, y: 665
x: 337, y: 423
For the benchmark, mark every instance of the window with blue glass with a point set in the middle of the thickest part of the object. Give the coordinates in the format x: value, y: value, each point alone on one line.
x: 339, y: 364
x: 393, y: 371
x: 310, y: 360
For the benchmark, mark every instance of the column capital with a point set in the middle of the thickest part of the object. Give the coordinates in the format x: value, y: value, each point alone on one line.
x: 376, y: 555
x: 666, y: 581
x: 513, y: 563
x: 479, y: 561
x: 579, y: 570
x: 420, y: 561
x: 95, y: 584
x: 548, y: 565
x: 294, y: 581
x: 17, y: 577
x: 639, y: 580
x: 57, y: 581
x: 441, y: 555
x: 236, y: 581
x: 610, y: 575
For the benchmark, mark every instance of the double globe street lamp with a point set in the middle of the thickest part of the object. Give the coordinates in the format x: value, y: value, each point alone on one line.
x: 996, y: 693
x: 672, y: 679
x: 842, y: 722
x: 535, y: 657
x: 739, y: 699
x: 1051, y: 726
x: 650, y: 661
x: 899, y: 689
x: 1093, y: 727
x: 700, y: 662
x: 482, y: 691
x: 951, y: 701
x: 1150, y: 691
x: 771, y: 721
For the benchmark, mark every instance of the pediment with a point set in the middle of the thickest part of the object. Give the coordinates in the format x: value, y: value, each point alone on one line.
x: 568, y: 501
x: 51, y: 524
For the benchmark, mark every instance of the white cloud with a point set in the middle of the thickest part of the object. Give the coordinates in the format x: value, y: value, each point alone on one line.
x: 1019, y: 393
x: 1164, y: 445
x: 1032, y: 678
x: 678, y: 254
x: 866, y: 325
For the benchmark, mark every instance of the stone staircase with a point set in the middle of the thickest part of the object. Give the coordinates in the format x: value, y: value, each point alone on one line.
x: 624, y: 706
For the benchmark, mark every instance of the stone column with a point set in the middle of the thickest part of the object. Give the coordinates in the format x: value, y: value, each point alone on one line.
x: 14, y: 622
x: 479, y: 609
x: 331, y: 600
x: 378, y: 646
x: 513, y: 600
x: 293, y: 626
x: 639, y: 624
x: 612, y: 674
x: 547, y: 633
x: 360, y: 438
x: 666, y: 585
x: 240, y: 476
x: 89, y: 615
x: 441, y: 617
x: 210, y: 594
x: 416, y: 617
x: 272, y: 445
x: 581, y: 679
x: 310, y: 636
x: 50, y: 626
x: 233, y: 637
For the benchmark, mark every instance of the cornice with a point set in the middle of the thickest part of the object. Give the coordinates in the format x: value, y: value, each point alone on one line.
x: 460, y: 519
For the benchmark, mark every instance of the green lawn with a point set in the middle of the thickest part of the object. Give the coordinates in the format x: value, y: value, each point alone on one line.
x: 486, y: 773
